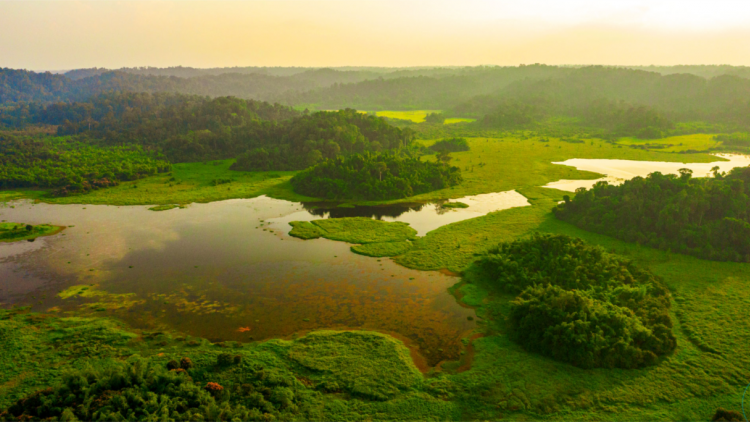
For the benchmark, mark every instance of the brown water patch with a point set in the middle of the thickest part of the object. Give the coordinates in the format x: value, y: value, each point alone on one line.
x: 211, y: 271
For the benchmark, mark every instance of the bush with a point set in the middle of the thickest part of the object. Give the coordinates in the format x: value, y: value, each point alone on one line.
x: 579, y: 304
x: 450, y: 145
x: 724, y: 415
x: 173, y: 364
x: 186, y: 363
x: 224, y: 359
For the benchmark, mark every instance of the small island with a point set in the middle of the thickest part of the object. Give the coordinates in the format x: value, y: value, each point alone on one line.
x: 375, y: 177
x: 372, y: 237
x: 14, y: 232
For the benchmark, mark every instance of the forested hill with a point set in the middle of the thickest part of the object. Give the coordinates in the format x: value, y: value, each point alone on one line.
x: 705, y: 217
x: 191, y: 128
x: 625, y: 101
x: 440, y: 91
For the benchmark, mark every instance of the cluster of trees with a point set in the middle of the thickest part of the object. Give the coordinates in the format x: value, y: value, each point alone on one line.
x: 141, y: 390
x: 705, y: 217
x: 579, y: 304
x: 71, y: 166
x: 380, y: 176
x: 450, y: 145
x: 738, y: 141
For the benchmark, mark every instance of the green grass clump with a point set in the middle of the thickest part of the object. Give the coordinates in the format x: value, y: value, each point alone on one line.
x: 305, y: 230
x: 455, y: 204
x: 383, y: 249
x: 355, y: 230
x: 366, y: 364
x: 14, y: 232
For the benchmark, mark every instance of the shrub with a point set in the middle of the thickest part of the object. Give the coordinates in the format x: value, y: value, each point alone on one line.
x: 224, y: 359
x: 173, y: 364
x: 723, y: 415
x: 186, y: 363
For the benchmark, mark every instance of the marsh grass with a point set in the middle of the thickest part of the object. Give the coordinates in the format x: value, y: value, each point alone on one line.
x: 354, y: 230
x: 383, y: 249
x: 15, y: 232
x: 695, y: 142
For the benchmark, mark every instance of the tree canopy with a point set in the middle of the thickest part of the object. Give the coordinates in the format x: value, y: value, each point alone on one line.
x: 579, y: 304
x: 705, y: 217
x: 374, y: 176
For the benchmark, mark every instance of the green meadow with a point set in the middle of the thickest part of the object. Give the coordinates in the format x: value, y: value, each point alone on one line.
x: 695, y: 142
x: 418, y: 116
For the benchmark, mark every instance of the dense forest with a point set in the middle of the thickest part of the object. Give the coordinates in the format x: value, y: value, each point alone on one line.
x: 579, y: 304
x: 380, y: 176
x: 622, y: 101
x: 190, y: 128
x: 705, y: 217
x: 71, y: 166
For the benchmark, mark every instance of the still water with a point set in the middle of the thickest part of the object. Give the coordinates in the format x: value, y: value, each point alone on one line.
x: 617, y: 171
x: 229, y: 271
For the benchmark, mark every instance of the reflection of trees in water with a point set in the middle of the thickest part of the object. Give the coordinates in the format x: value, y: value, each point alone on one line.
x: 377, y: 212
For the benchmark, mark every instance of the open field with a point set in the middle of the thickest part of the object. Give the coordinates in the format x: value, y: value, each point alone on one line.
x: 696, y: 142
x: 416, y: 116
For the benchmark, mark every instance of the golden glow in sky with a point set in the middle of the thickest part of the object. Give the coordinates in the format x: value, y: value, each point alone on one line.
x: 66, y: 34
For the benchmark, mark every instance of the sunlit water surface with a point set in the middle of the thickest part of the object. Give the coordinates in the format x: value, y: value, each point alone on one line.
x: 617, y: 171
x: 229, y: 271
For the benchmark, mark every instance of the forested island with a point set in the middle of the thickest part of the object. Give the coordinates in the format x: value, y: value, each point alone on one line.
x: 579, y: 304
x: 375, y: 177
x: 705, y: 217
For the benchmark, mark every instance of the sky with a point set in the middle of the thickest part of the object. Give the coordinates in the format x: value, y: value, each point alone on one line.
x: 69, y: 34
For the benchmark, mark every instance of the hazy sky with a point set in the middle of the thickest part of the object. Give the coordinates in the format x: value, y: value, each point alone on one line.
x: 66, y: 34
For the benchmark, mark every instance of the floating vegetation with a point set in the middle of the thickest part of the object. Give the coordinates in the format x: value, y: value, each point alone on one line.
x: 353, y: 230
x: 166, y: 207
x: 103, y: 300
x: 14, y: 232
x: 454, y: 205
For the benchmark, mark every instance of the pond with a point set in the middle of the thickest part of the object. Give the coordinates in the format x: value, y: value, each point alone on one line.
x: 617, y: 171
x: 229, y: 271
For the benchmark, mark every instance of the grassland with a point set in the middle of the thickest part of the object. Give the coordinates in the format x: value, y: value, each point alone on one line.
x: 696, y: 142
x: 416, y: 116
x: 14, y: 232
x: 492, y: 165
x: 383, y: 249
x: 709, y: 368
x: 454, y: 120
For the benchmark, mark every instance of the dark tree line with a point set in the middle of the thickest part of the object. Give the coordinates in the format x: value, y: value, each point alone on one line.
x: 381, y: 176
x: 704, y: 217
x: 579, y: 304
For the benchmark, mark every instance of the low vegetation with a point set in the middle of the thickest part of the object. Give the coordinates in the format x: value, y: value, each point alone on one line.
x: 375, y: 177
x: 704, y: 217
x: 13, y: 232
x: 360, y: 230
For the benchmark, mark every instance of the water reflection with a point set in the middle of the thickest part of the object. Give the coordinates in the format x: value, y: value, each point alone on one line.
x: 224, y: 271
